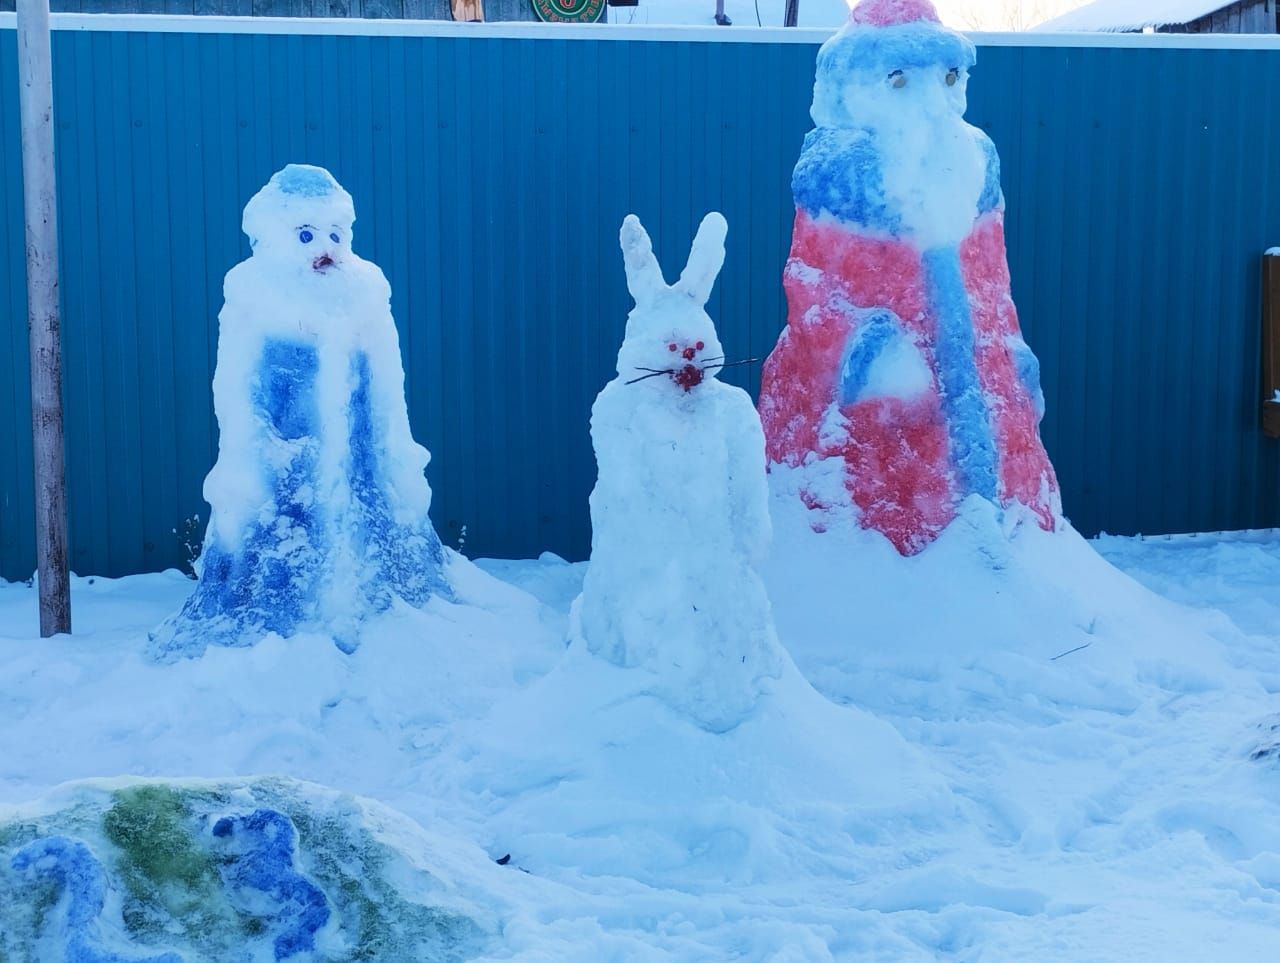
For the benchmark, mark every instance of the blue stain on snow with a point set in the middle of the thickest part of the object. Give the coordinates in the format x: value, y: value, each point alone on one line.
x: 992, y: 198
x: 301, y: 180
x: 876, y: 332
x: 73, y: 868
x: 968, y: 416
x: 267, y: 583
x: 839, y: 171
x: 276, y: 577
x: 398, y: 560
x: 1028, y: 368
x: 285, y: 392
x: 263, y: 843
x: 872, y: 54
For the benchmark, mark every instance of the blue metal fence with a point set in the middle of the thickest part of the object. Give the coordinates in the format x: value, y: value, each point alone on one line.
x: 490, y: 175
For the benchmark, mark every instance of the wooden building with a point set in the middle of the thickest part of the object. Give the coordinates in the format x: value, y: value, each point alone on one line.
x: 1167, y: 16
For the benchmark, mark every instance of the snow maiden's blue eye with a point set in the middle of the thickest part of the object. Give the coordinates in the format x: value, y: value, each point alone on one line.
x: 334, y: 238
x: 306, y: 237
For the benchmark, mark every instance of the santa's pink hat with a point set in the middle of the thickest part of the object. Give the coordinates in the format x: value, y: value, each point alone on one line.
x: 891, y: 13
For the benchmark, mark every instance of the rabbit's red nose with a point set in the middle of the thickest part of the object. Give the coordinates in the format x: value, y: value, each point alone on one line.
x: 322, y: 262
x: 689, y: 353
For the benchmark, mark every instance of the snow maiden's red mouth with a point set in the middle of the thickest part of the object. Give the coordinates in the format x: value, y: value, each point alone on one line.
x: 322, y: 263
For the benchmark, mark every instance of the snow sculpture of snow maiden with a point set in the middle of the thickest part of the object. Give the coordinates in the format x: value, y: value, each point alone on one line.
x: 319, y: 501
x: 680, y: 510
x: 902, y: 385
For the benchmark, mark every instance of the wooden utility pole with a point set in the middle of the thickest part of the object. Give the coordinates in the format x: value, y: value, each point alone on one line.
x: 792, y: 14
x: 35, y: 103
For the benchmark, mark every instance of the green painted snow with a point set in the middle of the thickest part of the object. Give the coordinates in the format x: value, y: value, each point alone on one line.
x: 171, y: 880
x: 382, y: 925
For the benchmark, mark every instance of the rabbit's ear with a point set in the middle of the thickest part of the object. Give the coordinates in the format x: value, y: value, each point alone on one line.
x: 706, y: 258
x: 644, y: 277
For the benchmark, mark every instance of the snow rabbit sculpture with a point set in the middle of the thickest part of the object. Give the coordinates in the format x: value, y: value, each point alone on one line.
x: 680, y: 509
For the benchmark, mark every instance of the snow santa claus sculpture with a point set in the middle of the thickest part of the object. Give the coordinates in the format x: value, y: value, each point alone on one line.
x: 901, y: 385
x: 319, y: 501
x: 679, y: 514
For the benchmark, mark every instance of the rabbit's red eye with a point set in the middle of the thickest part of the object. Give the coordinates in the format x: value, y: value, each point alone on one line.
x: 671, y: 346
x: 699, y: 345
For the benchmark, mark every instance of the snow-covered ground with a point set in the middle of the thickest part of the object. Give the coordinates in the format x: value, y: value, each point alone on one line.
x: 984, y: 795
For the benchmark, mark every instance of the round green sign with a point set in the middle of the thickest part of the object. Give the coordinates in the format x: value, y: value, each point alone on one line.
x: 569, y: 11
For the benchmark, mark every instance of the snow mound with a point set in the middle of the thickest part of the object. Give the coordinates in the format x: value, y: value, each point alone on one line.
x: 590, y: 771
x: 261, y: 869
x: 1040, y: 609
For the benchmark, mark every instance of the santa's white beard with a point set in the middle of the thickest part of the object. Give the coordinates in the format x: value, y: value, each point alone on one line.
x: 934, y: 172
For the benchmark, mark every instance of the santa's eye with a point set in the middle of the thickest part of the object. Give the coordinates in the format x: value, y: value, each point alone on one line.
x: 898, y: 79
x: 305, y: 236
x: 699, y: 345
x: 671, y: 346
x: 952, y: 76
x: 334, y: 238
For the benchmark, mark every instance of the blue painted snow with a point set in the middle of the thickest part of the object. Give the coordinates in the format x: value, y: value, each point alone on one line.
x: 285, y: 393
x: 968, y: 416
x: 1028, y: 367
x: 398, y: 560
x: 264, y: 843
x: 274, y: 577
x: 875, y: 332
x: 906, y: 47
x: 303, y: 181
x: 82, y: 883
x: 839, y: 171
x: 992, y: 198
x: 270, y: 579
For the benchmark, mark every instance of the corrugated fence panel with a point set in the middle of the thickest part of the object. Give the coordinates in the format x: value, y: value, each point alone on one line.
x: 17, y: 513
x: 490, y: 176
x: 1138, y: 208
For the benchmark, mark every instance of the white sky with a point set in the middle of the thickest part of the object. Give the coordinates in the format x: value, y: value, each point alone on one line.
x: 1001, y: 14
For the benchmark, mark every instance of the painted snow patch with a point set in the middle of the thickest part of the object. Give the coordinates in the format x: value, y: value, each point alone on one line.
x: 265, y: 869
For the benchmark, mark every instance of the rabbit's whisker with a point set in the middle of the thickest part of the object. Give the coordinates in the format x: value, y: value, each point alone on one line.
x: 730, y: 364
x: 652, y: 374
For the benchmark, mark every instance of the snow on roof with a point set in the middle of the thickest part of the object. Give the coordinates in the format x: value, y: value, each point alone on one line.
x: 813, y: 13
x: 1121, y: 16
